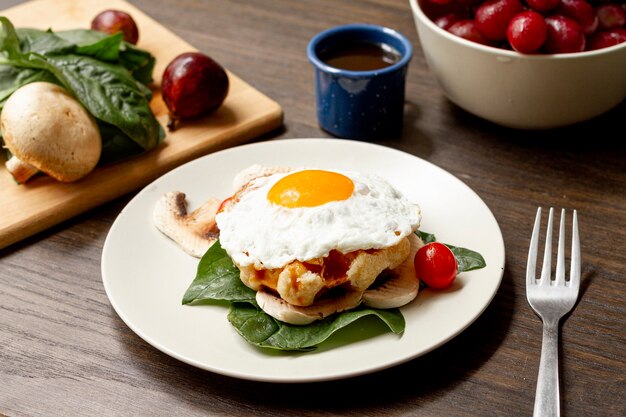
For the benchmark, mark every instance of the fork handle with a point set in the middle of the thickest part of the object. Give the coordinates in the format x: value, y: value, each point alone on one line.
x: 547, y: 395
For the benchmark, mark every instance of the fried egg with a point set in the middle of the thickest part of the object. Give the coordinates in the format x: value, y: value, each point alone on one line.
x: 307, y: 213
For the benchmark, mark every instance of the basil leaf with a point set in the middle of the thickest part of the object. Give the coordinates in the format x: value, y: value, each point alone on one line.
x: 467, y: 259
x: 217, y: 278
x: 260, y: 329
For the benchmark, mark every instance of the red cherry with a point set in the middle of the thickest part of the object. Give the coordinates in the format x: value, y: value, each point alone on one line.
x: 542, y: 5
x: 440, y: 1
x: 493, y: 16
x: 467, y: 29
x: 580, y: 11
x: 433, y: 10
x: 470, y: 2
x: 447, y: 20
x: 610, y: 16
x: 527, y: 32
x: 564, y: 35
x: 607, y: 38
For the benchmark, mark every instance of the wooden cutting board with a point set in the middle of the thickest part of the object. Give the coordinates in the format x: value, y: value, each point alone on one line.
x: 42, y: 202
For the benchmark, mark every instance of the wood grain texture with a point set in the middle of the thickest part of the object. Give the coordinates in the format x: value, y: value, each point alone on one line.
x: 42, y: 202
x: 64, y: 351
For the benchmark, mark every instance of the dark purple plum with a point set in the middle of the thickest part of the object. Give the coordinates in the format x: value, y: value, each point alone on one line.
x: 114, y: 21
x: 193, y: 85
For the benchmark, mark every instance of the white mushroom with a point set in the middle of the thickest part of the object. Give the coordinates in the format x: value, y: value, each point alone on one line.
x: 255, y: 171
x: 324, y: 307
x: 46, y: 129
x: 195, y: 232
x: 400, y: 287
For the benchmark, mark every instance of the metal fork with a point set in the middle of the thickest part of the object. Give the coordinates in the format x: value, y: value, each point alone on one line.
x: 551, y: 300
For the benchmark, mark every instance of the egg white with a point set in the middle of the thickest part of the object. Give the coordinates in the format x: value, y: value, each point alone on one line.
x: 256, y: 232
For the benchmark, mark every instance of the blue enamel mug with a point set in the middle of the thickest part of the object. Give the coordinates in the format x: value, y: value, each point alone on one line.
x: 360, y: 104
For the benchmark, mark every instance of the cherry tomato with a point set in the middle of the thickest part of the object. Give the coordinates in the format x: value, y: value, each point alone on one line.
x: 436, y: 265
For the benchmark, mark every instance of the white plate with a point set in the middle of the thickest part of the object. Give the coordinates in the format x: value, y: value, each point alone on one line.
x: 145, y: 274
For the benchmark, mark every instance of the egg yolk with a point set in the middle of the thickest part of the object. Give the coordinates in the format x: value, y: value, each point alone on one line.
x: 310, y: 188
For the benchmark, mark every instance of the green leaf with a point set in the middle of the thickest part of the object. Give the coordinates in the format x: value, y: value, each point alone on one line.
x: 43, y: 43
x: 260, y: 329
x: 109, y: 92
x: 9, y: 42
x: 116, y: 145
x: 467, y: 259
x: 136, y: 60
x: 106, y: 49
x: 78, y: 41
x: 12, y: 78
x: 217, y: 278
x: 252, y: 323
x: 104, y: 73
x: 426, y: 237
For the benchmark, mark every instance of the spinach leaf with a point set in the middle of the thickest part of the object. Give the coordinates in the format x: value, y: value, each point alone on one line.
x: 466, y: 259
x: 426, y: 237
x: 217, y: 278
x: 252, y: 323
x: 136, y: 60
x: 98, y: 45
x: 110, y: 93
x: 105, y: 49
x: 262, y: 330
x: 9, y: 42
x: 116, y: 145
x: 42, y: 42
x: 105, y: 74
x: 110, y: 48
x: 12, y: 78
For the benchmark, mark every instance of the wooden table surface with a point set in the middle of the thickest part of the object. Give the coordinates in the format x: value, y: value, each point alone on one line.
x: 64, y: 350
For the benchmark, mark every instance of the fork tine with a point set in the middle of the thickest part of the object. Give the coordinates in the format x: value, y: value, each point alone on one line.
x: 560, y: 257
x: 574, y: 273
x: 531, y: 266
x: 547, y: 253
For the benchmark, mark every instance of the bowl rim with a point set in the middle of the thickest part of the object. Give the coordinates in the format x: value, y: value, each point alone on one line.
x: 322, y: 66
x: 417, y: 11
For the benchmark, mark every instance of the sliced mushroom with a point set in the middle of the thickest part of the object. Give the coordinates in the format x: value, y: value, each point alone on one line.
x: 256, y: 171
x: 195, y: 232
x: 46, y: 129
x: 288, y: 313
x: 400, y: 285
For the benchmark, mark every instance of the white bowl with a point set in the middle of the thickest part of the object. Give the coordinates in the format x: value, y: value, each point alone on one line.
x: 523, y: 91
